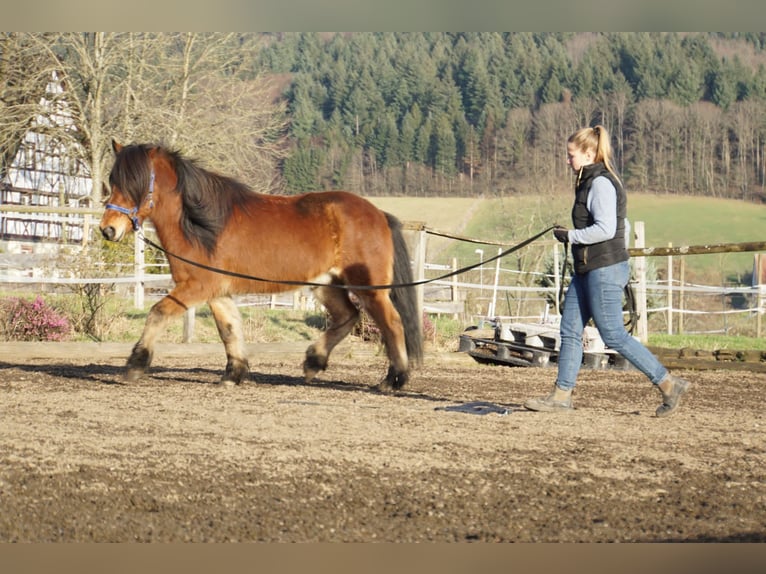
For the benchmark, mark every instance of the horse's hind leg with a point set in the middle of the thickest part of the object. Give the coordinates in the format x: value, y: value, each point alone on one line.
x: 386, y: 317
x: 343, y: 317
x: 229, y: 322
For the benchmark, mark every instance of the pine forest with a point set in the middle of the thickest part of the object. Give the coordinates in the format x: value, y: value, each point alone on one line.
x: 410, y: 114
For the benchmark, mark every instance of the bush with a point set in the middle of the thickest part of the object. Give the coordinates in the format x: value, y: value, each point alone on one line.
x: 88, y: 312
x: 367, y: 330
x: 24, y: 320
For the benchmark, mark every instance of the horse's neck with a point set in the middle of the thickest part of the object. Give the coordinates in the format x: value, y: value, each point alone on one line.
x: 166, y: 223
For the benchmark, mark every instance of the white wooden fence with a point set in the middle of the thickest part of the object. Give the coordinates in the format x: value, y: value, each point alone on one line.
x: 438, y: 297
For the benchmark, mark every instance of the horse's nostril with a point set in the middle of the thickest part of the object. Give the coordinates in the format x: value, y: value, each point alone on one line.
x: 108, y: 233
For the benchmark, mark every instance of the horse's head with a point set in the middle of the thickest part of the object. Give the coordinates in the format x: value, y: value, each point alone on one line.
x: 132, y: 187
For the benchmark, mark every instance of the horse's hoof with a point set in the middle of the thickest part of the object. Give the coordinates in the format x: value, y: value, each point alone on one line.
x: 138, y: 362
x: 232, y: 381
x: 132, y: 375
x: 384, y: 387
x: 313, y: 364
x: 237, y: 371
x: 310, y: 372
x: 395, y: 380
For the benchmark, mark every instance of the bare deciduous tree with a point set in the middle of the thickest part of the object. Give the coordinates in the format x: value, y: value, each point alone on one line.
x: 189, y: 91
x: 25, y: 71
x: 190, y: 95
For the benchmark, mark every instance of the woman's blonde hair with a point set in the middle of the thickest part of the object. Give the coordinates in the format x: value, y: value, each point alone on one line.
x: 595, y: 139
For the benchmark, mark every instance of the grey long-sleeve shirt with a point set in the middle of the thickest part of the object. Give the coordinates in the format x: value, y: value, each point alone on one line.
x: 602, y: 204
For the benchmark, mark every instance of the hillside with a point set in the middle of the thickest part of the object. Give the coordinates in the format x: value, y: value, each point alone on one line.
x: 452, y: 113
x: 680, y: 220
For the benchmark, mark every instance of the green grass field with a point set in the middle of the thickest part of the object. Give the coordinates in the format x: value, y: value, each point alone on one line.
x: 668, y: 219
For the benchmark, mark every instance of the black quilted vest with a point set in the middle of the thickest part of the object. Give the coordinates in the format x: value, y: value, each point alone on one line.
x: 611, y: 251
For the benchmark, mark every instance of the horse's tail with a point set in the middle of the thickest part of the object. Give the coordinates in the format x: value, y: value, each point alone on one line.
x: 405, y: 298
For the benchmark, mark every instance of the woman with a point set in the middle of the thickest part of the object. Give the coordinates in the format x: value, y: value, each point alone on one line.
x: 599, y: 250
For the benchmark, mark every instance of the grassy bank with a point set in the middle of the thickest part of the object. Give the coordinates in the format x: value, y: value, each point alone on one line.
x: 668, y: 219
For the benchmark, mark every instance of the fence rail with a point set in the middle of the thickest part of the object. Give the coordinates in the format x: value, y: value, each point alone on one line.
x: 451, y: 296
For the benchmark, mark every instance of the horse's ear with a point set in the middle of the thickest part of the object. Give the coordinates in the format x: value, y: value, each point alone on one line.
x: 116, y: 147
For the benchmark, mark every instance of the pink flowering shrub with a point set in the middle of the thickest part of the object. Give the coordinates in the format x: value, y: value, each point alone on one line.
x: 24, y: 320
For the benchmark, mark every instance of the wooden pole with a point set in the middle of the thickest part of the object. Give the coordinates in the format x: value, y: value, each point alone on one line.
x: 759, y: 297
x: 557, y: 279
x: 455, y: 296
x: 139, y: 267
x: 419, y: 263
x: 418, y: 253
x: 493, y: 305
x: 189, y: 317
x: 698, y: 249
x: 49, y: 209
x: 641, y: 327
x: 670, y: 292
x: 681, y: 303
x: 759, y: 312
x: 85, y: 229
x: 756, y: 282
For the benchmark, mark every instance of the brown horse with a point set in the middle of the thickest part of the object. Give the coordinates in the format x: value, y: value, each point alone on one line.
x: 336, y: 241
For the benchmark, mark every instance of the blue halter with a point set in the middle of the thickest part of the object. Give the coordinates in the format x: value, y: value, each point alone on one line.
x: 133, y: 213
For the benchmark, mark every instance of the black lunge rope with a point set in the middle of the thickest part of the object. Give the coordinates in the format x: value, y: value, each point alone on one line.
x: 347, y: 287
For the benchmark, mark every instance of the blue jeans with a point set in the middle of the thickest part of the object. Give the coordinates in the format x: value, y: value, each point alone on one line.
x: 598, y: 295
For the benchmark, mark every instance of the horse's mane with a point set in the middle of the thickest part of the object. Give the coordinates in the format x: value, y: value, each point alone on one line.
x: 208, y: 198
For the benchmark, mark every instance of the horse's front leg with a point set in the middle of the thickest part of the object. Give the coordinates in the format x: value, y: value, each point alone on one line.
x: 229, y: 322
x: 143, y: 351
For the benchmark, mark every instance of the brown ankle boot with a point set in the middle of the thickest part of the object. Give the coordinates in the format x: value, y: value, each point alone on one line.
x: 672, y: 388
x: 559, y: 400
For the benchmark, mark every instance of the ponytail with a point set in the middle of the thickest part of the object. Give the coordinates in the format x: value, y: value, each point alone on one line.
x: 604, y: 150
x: 597, y: 140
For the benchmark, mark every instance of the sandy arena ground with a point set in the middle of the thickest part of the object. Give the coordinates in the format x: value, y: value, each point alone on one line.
x: 85, y: 457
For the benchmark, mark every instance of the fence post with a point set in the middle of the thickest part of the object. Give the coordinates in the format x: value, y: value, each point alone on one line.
x: 759, y: 312
x: 681, y: 304
x: 557, y: 279
x: 670, y: 292
x: 454, y: 292
x: 641, y: 328
x: 85, y: 229
x: 759, y: 298
x: 139, y: 264
x: 189, y: 316
x: 419, y: 256
x: 493, y: 307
